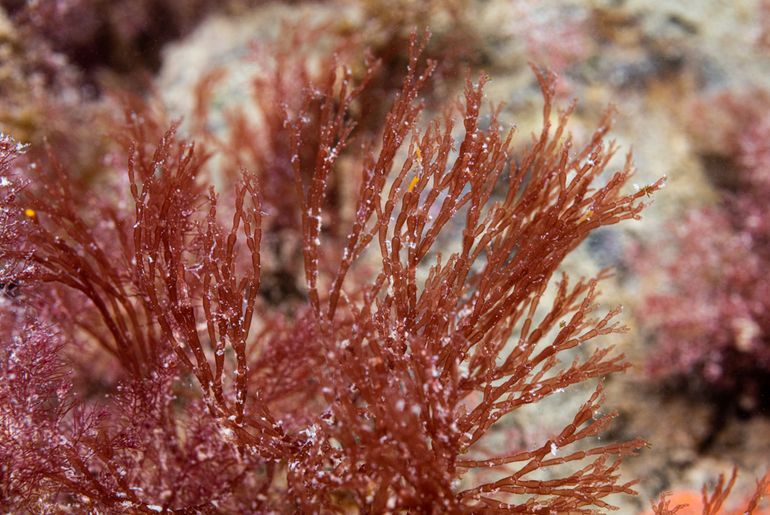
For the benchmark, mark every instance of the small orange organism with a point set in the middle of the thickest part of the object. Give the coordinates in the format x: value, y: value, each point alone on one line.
x: 586, y: 216
x: 418, y: 154
x: 413, y: 184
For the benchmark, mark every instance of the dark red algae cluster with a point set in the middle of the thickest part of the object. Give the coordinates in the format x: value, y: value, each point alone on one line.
x: 338, y: 305
x: 719, y: 341
x: 154, y: 360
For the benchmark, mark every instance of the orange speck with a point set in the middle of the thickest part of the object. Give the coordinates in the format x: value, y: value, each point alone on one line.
x: 413, y: 183
x: 30, y: 213
x: 586, y: 216
x: 418, y: 153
